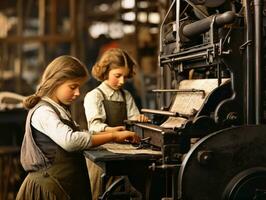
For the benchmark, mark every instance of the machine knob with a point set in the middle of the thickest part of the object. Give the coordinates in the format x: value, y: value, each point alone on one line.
x: 152, y: 167
x: 204, y: 157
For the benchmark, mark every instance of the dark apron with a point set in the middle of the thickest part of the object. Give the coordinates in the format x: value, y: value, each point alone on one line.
x: 66, y: 178
x: 116, y: 111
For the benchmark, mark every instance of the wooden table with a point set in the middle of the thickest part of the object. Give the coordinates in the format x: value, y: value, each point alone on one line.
x: 114, y: 164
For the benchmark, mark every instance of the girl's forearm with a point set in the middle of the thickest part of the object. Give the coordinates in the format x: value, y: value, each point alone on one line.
x: 102, y: 138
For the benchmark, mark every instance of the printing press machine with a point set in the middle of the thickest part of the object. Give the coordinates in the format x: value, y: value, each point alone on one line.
x: 210, y: 128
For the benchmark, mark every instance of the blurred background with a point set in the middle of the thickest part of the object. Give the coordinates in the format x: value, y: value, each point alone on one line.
x: 34, y: 32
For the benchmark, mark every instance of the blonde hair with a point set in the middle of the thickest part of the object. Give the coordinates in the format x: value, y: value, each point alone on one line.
x: 61, y: 69
x: 112, y: 59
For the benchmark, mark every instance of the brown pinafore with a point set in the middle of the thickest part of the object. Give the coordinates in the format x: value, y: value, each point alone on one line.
x: 66, y: 178
x: 116, y: 113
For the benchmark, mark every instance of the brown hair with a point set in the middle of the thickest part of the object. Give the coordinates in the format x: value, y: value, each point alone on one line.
x: 61, y: 69
x: 112, y: 59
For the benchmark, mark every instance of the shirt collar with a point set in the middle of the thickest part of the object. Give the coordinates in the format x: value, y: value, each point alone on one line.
x: 108, y: 91
x: 59, y: 107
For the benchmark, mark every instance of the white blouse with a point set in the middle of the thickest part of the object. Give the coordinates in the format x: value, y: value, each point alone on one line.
x: 94, y: 108
x: 45, y: 120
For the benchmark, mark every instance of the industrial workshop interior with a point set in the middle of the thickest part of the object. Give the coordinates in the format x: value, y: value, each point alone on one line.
x: 190, y: 121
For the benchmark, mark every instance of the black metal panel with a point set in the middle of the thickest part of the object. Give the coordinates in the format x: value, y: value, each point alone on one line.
x: 218, y: 159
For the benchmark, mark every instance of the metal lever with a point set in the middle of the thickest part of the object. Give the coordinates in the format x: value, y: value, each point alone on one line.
x: 144, y: 143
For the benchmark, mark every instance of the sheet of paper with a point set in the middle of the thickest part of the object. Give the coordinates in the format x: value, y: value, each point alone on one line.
x: 173, y: 122
x: 127, y: 149
x: 189, y: 102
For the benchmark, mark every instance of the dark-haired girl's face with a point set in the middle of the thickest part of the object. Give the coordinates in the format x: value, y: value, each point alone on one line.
x: 67, y: 92
x: 117, y: 77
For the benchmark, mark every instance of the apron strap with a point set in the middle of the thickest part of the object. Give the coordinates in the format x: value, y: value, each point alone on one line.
x: 70, y: 122
x: 105, y: 98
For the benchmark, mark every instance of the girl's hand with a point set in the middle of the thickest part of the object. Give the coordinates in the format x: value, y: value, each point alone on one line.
x: 142, y: 118
x: 116, y: 128
x: 121, y: 136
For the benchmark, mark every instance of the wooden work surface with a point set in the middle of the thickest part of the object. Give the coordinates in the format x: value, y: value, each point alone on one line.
x: 133, y: 165
x: 120, y: 163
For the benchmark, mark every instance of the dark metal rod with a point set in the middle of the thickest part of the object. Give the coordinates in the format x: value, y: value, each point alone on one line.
x: 161, y: 27
x: 190, y: 51
x: 249, y: 70
x: 161, y: 35
x: 183, y: 58
x: 203, y: 25
x: 258, y: 7
x: 166, y: 113
x: 177, y: 90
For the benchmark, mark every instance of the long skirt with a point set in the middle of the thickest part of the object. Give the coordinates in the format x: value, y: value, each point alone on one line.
x: 36, y: 186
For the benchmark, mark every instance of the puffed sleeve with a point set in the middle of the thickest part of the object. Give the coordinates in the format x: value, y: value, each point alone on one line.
x: 94, y: 111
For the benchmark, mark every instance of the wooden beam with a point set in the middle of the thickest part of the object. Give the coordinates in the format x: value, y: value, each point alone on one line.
x: 47, y: 38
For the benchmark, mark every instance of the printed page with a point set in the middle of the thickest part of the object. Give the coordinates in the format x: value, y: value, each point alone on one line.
x: 190, y: 102
x: 187, y: 102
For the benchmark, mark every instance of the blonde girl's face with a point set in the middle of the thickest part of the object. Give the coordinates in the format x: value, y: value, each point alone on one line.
x: 67, y: 92
x: 117, y: 77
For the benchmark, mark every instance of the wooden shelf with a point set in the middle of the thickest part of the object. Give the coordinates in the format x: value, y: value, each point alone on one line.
x: 46, y: 38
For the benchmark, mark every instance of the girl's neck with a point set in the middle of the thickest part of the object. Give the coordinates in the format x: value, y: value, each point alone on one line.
x: 66, y: 107
x: 106, y: 83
